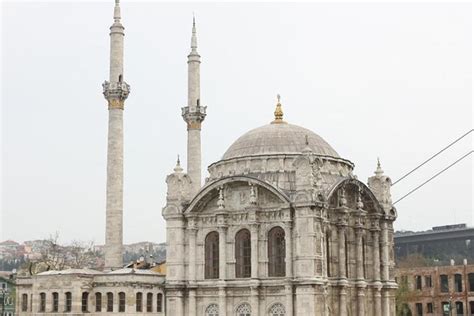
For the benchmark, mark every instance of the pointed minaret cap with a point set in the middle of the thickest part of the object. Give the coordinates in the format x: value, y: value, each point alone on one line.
x: 194, y: 37
x: 379, y: 171
x: 178, y: 168
x: 278, y: 112
x: 117, y: 11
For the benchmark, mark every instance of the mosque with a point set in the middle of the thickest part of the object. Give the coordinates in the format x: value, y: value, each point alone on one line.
x: 281, y: 226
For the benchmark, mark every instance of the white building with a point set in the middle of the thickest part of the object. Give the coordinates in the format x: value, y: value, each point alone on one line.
x: 281, y: 227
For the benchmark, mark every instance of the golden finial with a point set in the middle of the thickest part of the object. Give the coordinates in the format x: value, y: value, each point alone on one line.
x: 278, y: 112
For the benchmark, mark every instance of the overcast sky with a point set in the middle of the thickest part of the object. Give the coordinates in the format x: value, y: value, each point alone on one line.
x: 374, y: 80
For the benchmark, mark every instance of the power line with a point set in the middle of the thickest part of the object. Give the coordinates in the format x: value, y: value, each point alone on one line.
x: 433, y: 177
x: 439, y: 152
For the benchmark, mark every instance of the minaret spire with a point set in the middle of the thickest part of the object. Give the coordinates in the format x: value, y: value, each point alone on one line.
x: 115, y: 92
x: 194, y: 114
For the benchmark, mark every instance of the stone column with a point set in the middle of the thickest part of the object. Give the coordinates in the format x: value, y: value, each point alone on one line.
x: 342, y: 251
x: 361, y: 284
x: 254, y: 301
x: 289, y: 299
x: 192, y: 231
x: 376, y: 269
x: 254, y: 253
x: 192, y: 303
x: 289, y: 250
x: 385, y: 269
x: 222, y: 302
x: 222, y: 252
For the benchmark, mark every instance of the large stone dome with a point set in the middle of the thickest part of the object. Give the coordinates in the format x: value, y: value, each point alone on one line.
x: 278, y: 138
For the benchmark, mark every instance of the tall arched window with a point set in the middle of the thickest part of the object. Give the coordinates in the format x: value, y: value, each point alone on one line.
x: 42, y: 307
x: 110, y: 302
x: 98, y: 302
x: 212, y: 256
x: 159, y: 303
x: 363, y: 258
x: 139, y: 302
x: 328, y: 253
x: 149, y: 302
x: 243, y: 254
x: 277, y: 309
x: 346, y: 255
x: 276, y: 252
x: 212, y: 310
x: 68, y: 302
x: 55, y: 308
x: 244, y: 310
x: 24, y: 302
x: 85, y: 301
x: 122, y: 302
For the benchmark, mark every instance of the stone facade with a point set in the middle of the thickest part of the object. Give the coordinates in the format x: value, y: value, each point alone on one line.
x: 47, y: 293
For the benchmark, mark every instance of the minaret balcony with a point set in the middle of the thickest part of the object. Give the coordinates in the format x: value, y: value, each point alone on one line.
x: 116, y: 90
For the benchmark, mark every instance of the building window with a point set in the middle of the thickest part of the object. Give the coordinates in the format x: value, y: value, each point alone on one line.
x: 277, y: 310
x: 42, y: 307
x: 110, y: 302
x: 444, y: 283
x: 458, y: 283
x: 429, y: 308
x: 418, y: 282
x: 243, y: 254
x: 159, y: 303
x: 24, y: 302
x: 139, y: 302
x: 212, y: 256
x: 471, y: 282
x: 55, y: 302
x: 122, y: 302
x: 244, y: 310
x: 428, y: 281
x: 459, y: 308
x: 276, y: 252
x: 346, y: 255
x: 85, y: 301
x: 149, y: 302
x: 471, y: 307
x: 212, y: 310
x: 328, y: 253
x: 419, y: 309
x: 445, y: 308
x: 68, y: 307
x: 98, y: 302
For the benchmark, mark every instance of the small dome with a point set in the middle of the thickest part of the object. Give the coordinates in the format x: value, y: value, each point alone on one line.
x: 280, y: 138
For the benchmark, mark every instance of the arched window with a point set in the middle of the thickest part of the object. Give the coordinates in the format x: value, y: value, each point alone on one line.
x: 68, y: 307
x: 212, y: 310
x: 244, y: 310
x: 277, y: 309
x: 122, y: 302
x: 243, y: 254
x: 328, y: 253
x: 55, y: 302
x: 85, y: 301
x: 212, y: 256
x: 98, y: 302
x: 346, y: 255
x: 159, y: 303
x: 276, y: 252
x: 139, y: 302
x: 24, y: 302
x: 42, y: 307
x: 110, y: 302
x: 149, y: 302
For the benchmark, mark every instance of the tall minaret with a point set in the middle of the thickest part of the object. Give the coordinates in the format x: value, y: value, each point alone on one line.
x: 194, y: 114
x: 115, y: 91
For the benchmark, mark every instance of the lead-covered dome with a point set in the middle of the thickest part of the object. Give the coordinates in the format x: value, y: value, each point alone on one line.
x: 278, y: 138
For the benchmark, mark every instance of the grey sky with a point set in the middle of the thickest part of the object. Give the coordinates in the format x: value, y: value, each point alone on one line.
x: 387, y: 80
